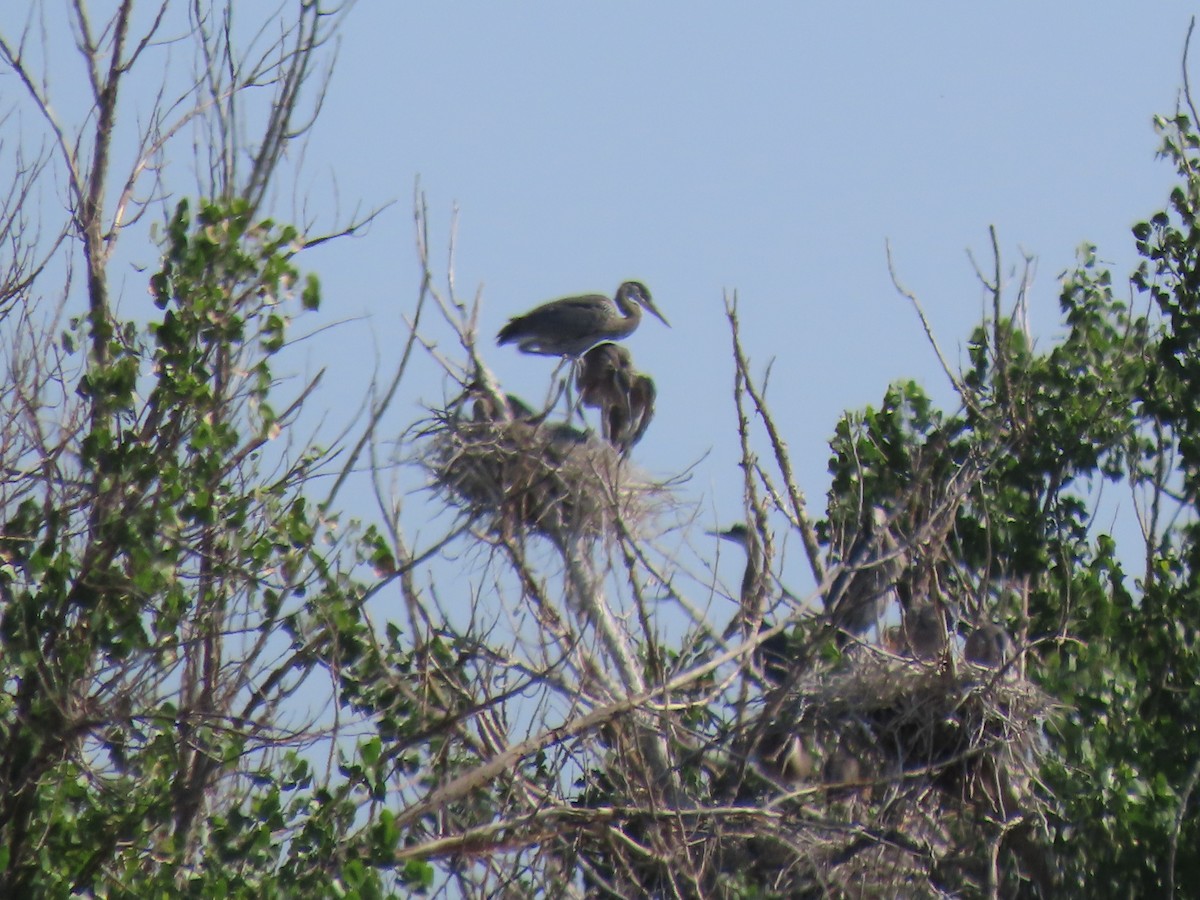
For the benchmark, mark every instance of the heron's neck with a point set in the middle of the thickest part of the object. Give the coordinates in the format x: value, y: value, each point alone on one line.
x: 630, y: 309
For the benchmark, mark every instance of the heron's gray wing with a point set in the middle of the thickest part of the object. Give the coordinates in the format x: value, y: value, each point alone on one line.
x: 866, y: 580
x: 564, y: 321
x: 647, y: 394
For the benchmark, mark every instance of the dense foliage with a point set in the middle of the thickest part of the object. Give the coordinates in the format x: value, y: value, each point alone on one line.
x: 200, y: 700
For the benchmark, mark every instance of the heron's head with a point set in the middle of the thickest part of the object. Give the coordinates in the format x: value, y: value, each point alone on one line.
x: 879, y: 518
x: 738, y: 534
x: 607, y: 357
x: 640, y: 294
x: 988, y: 645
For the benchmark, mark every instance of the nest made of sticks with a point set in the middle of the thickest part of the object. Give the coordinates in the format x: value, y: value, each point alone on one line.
x: 946, y: 722
x: 921, y: 755
x: 549, y: 478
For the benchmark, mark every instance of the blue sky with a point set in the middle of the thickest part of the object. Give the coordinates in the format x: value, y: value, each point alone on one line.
x: 768, y: 148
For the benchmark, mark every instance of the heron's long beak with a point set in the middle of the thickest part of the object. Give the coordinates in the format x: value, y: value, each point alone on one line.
x: 729, y: 535
x: 654, y: 309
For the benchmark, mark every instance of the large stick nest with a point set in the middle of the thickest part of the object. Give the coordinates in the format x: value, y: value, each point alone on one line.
x: 878, y: 777
x: 549, y: 478
x: 908, y: 715
x: 903, y: 772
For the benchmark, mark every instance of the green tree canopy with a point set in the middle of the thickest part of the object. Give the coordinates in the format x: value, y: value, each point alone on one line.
x: 218, y: 682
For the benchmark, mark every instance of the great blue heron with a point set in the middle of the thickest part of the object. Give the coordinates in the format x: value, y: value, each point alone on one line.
x: 604, y: 379
x: 775, y: 657
x: 573, y: 325
x: 751, y: 596
x: 642, y: 395
x: 842, y: 768
x: 988, y: 645
x: 516, y: 409
x: 923, y: 631
x: 605, y: 374
x: 866, y: 581
x: 625, y: 398
x: 783, y: 753
x: 520, y: 415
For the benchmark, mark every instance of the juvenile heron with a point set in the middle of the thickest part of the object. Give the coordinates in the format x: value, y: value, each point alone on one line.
x: 604, y: 379
x: 642, y: 395
x: 604, y: 374
x: 784, y: 755
x: 774, y: 657
x: 625, y: 398
x: 924, y: 634
x: 989, y: 646
x: 752, y: 591
x: 842, y: 768
x: 573, y: 325
x: 867, y: 578
x: 516, y: 409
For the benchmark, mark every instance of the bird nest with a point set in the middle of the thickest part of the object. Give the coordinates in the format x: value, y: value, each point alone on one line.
x: 880, y: 777
x: 950, y: 725
x: 520, y: 475
x: 930, y: 761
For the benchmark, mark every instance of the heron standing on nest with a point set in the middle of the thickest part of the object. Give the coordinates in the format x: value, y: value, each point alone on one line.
x: 923, y: 631
x: 750, y: 607
x: 604, y: 374
x: 607, y: 382
x: 569, y: 327
x: 866, y: 580
x: 774, y: 657
x: 642, y: 395
x: 604, y: 378
x: 989, y: 646
x: 573, y: 325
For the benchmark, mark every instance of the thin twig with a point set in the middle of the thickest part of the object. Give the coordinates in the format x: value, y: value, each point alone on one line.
x: 799, y: 513
x: 959, y: 386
